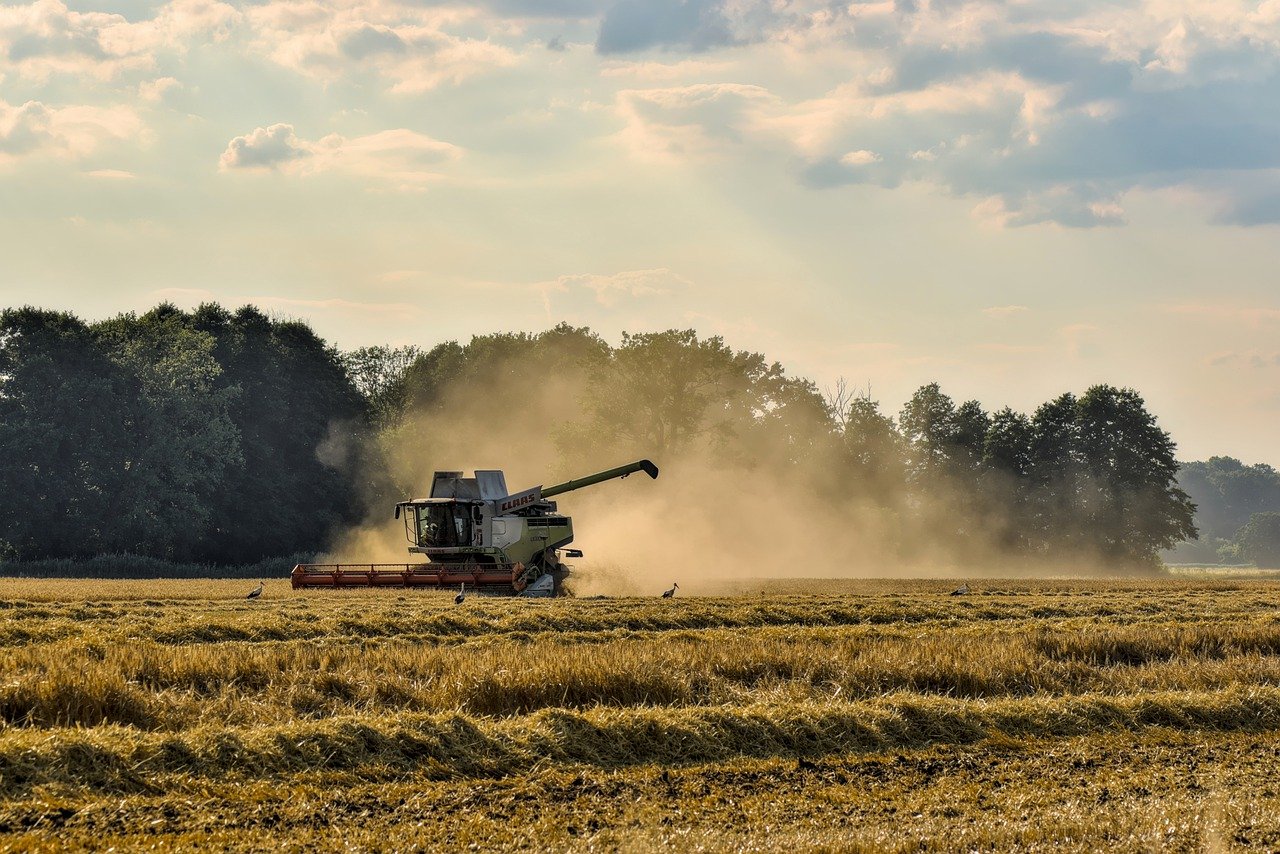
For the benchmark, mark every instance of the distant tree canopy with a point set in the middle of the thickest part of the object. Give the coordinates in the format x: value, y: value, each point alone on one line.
x: 1259, y: 539
x: 231, y: 437
x: 1227, y: 494
x: 198, y: 435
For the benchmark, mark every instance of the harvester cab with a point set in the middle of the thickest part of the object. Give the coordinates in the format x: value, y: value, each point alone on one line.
x: 473, y: 530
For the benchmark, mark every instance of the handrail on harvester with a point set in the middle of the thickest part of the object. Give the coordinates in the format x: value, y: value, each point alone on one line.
x: 621, y: 471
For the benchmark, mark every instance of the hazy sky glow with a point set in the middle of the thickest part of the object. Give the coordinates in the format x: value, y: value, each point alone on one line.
x: 1013, y: 199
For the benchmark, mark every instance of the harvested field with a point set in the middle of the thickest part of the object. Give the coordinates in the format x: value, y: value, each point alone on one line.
x: 821, y: 715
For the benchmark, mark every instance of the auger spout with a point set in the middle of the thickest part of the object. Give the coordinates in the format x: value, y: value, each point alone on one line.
x: 621, y: 471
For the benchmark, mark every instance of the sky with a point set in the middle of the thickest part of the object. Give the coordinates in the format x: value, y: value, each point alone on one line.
x: 1013, y: 199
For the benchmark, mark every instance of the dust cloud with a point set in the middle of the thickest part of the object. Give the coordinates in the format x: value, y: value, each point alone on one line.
x: 713, y: 518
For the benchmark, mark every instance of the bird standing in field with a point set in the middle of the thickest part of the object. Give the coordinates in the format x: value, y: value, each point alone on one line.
x: 462, y: 594
x: 962, y: 590
x: 667, y: 594
x: 257, y: 591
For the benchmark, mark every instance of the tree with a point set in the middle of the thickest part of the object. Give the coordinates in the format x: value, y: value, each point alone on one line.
x: 1131, y: 504
x: 794, y: 432
x: 660, y: 392
x: 62, y: 436
x: 498, y: 400
x: 874, y: 452
x: 310, y: 466
x: 1259, y: 540
x: 1227, y: 492
x: 970, y: 425
x: 1005, y: 480
x: 928, y: 424
x: 377, y: 373
x: 179, y: 439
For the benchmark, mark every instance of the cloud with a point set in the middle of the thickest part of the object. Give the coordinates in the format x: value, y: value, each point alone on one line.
x: 690, y: 121
x: 406, y: 47
x: 155, y: 91
x: 1064, y: 205
x: 399, y: 159
x: 1251, y: 359
x: 111, y: 174
x: 1038, y: 113
x: 46, y: 38
x: 265, y: 148
x: 611, y: 289
x: 184, y: 296
x: 861, y: 157
x: 1078, y: 338
x: 1005, y: 310
x: 72, y: 132
x: 394, y: 309
x: 633, y: 25
x: 1235, y: 313
x: 1043, y: 113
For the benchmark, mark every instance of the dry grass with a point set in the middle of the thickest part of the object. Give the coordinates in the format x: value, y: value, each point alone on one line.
x: 1099, y: 715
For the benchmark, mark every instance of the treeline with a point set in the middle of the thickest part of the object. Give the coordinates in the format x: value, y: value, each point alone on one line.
x: 1088, y: 478
x: 231, y: 437
x: 1238, y: 512
x: 208, y: 436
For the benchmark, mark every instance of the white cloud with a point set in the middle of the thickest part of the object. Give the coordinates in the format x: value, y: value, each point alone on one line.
x: 1078, y: 338
x: 1074, y: 207
x: 398, y: 159
x: 409, y: 47
x: 184, y: 296
x: 1049, y: 112
x: 1228, y: 312
x: 861, y: 157
x: 264, y: 148
x: 394, y: 309
x: 111, y: 174
x: 1005, y: 310
x: 72, y: 132
x: 613, y: 288
x: 45, y: 38
x: 155, y: 91
x: 670, y: 124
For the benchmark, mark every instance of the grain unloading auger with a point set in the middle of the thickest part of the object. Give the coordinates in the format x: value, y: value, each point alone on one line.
x: 474, y: 532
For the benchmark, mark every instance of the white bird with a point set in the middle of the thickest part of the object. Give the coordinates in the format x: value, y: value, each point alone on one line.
x: 667, y: 594
x: 462, y: 594
x: 257, y: 591
x: 962, y: 590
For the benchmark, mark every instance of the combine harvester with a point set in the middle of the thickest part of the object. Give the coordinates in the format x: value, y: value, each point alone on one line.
x: 474, y: 532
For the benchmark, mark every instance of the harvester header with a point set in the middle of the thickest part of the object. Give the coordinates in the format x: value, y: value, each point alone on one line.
x: 473, y: 531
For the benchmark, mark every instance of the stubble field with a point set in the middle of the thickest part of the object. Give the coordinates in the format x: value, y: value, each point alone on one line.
x: 826, y: 715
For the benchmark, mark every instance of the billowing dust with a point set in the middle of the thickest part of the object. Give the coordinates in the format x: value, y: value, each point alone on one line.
x: 705, y: 523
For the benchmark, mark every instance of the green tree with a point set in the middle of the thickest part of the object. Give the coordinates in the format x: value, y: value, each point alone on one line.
x: 378, y: 374
x: 1259, y: 540
x: 793, y: 433
x: 1005, y: 482
x: 970, y: 425
x: 310, y: 466
x: 62, y: 436
x: 497, y: 400
x: 179, y: 439
x: 1227, y: 492
x: 874, y: 453
x: 661, y: 392
x: 928, y: 424
x: 1104, y: 476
